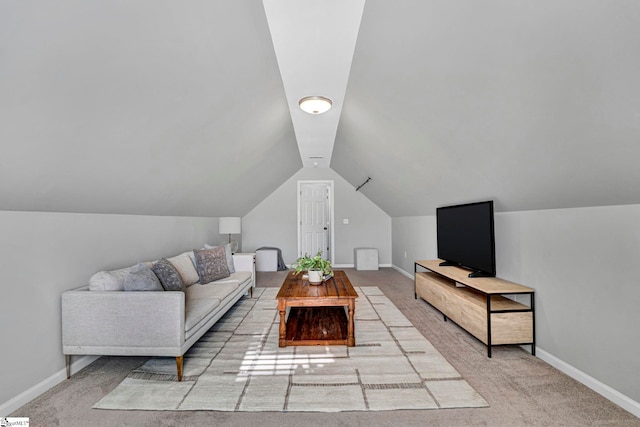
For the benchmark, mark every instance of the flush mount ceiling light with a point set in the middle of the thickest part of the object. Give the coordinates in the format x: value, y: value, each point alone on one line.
x: 315, y: 104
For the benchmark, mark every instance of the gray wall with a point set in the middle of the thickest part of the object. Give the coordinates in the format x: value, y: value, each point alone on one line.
x: 581, y: 262
x: 44, y: 254
x: 273, y: 221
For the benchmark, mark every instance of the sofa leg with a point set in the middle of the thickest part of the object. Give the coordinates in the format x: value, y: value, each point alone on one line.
x: 68, y: 361
x: 179, y: 366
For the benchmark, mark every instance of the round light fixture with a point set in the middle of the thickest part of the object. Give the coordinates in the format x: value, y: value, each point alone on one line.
x: 315, y: 104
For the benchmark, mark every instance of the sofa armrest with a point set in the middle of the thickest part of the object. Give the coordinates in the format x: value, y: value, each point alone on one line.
x: 246, y: 262
x: 122, y: 319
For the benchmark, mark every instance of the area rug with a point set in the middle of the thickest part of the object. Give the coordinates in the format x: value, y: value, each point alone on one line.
x: 238, y: 366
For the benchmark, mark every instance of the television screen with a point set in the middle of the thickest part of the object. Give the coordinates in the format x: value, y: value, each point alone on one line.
x: 466, y: 237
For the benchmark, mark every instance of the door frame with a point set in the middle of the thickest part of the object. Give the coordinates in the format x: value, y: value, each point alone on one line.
x: 332, y: 241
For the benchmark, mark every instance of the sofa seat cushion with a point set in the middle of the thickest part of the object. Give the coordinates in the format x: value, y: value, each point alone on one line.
x: 198, y: 309
x: 211, y: 290
x: 241, y: 277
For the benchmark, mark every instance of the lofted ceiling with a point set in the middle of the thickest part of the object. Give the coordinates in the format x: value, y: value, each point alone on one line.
x: 186, y: 108
x: 532, y: 104
x: 314, y: 43
x: 141, y: 107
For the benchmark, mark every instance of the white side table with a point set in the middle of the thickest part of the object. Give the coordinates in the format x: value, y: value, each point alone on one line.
x: 246, y: 261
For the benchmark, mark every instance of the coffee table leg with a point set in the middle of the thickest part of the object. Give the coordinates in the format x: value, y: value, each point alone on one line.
x: 351, y: 337
x: 283, y: 324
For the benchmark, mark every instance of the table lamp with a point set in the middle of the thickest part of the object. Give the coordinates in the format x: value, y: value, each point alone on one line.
x: 230, y: 225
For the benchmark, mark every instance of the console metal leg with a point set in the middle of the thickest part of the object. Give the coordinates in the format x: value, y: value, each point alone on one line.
x: 533, y: 319
x: 488, y: 325
x: 415, y: 289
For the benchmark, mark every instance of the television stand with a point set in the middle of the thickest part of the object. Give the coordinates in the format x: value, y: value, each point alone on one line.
x: 479, y: 307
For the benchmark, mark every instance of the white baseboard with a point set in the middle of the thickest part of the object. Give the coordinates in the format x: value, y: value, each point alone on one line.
x: 353, y: 265
x: 401, y: 271
x: 602, y: 389
x: 48, y: 383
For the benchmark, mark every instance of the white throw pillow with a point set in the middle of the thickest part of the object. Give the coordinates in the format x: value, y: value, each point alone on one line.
x: 185, y: 267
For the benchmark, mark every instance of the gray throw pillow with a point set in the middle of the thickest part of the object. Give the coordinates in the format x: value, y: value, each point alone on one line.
x: 211, y: 264
x: 229, y: 255
x: 142, y: 278
x: 168, y: 275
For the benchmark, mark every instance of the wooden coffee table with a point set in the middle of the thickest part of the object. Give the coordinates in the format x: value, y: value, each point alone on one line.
x: 317, y: 312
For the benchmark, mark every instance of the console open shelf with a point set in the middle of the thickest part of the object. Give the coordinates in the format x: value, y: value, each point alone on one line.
x: 478, y: 304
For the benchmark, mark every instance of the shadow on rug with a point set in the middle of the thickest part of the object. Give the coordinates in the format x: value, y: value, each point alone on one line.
x: 238, y: 366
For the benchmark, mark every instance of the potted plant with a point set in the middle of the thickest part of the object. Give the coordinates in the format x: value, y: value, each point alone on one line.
x: 317, y: 268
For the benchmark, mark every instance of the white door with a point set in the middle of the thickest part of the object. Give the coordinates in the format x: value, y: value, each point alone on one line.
x: 314, y: 225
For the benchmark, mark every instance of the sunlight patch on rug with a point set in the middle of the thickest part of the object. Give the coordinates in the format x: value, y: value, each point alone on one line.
x: 238, y: 366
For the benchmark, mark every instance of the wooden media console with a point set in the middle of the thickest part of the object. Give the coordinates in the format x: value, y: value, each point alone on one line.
x: 479, y: 304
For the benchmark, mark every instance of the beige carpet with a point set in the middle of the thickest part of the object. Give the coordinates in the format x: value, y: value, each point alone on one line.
x: 238, y: 366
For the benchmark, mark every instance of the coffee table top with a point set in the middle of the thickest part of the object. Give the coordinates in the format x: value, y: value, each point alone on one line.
x: 337, y: 287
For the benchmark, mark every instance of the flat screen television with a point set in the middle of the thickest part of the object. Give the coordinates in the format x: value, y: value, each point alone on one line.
x: 466, y: 237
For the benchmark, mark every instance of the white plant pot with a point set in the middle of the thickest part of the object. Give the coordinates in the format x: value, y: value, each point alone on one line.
x: 315, y: 277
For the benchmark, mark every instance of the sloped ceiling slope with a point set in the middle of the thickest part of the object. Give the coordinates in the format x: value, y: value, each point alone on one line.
x: 146, y: 107
x: 532, y: 104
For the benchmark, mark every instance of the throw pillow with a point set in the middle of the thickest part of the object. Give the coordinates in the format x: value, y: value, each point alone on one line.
x: 229, y: 255
x: 142, y: 278
x: 185, y: 267
x: 109, y: 280
x: 168, y: 275
x: 211, y: 264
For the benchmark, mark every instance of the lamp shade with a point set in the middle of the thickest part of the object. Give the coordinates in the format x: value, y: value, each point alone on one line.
x: 230, y: 225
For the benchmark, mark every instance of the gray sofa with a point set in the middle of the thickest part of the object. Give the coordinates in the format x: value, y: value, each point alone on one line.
x: 104, y: 319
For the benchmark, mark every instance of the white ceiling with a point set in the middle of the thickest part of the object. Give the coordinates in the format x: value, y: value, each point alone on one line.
x: 184, y: 108
x: 314, y: 43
